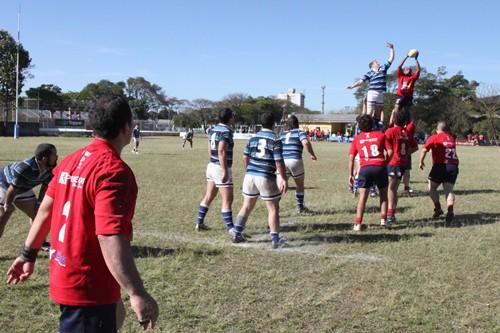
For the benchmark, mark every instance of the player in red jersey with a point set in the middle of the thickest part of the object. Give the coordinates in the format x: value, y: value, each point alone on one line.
x: 88, y: 207
x: 444, y: 168
x: 369, y: 144
x: 400, y: 145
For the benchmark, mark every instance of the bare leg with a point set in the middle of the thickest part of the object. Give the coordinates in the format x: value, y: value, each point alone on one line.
x: 248, y: 206
x: 4, y: 218
x: 392, y: 196
x: 360, y: 209
x: 383, y: 203
x: 273, y: 218
x: 209, y: 194
x: 227, y: 197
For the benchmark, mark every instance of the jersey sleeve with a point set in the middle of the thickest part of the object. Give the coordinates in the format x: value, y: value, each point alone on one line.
x: 224, y: 136
x: 416, y: 76
x: 17, y: 172
x: 302, y: 136
x: 53, y: 182
x: 388, y: 140
x: 115, y: 199
x: 367, y: 76
x: 246, y: 152
x: 278, y: 150
x: 354, y: 150
x: 429, y: 143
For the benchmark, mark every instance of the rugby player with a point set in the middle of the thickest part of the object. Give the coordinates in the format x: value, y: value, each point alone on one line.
x: 136, y: 137
x: 294, y: 140
x: 263, y: 157
x: 219, y: 175
x: 444, y: 168
x: 369, y: 145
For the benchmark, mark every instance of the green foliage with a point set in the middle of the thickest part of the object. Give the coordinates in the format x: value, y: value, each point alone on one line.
x: 50, y: 97
x: 139, y: 108
x: 93, y: 91
x: 490, y: 127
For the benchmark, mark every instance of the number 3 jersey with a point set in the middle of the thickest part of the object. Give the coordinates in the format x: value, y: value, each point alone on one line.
x: 263, y: 150
x: 370, y: 147
x: 443, y: 148
x: 221, y: 133
x: 94, y: 193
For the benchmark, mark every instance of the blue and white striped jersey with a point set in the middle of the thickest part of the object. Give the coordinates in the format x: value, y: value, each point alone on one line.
x: 292, y: 144
x: 264, y: 149
x: 24, y: 175
x: 221, y: 132
x: 377, y: 80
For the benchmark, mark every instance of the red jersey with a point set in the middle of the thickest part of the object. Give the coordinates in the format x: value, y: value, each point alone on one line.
x: 370, y: 147
x: 94, y: 193
x: 400, y: 142
x: 444, y: 149
x: 406, y: 83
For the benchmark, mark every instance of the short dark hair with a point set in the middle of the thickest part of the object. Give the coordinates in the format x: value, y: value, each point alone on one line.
x: 109, y: 116
x: 267, y: 120
x: 225, y: 115
x: 365, y: 123
x: 44, y: 150
x: 400, y: 118
x: 292, y: 122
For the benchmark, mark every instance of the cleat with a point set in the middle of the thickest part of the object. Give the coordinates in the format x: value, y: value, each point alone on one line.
x: 202, y: 227
x: 391, y: 220
x: 449, y: 217
x: 384, y: 223
x: 408, y: 193
x: 238, y: 238
x: 304, y: 211
x: 282, y: 242
x: 373, y: 192
x: 437, y: 213
x: 359, y: 227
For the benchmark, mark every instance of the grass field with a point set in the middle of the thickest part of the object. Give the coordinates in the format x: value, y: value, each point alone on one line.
x: 416, y: 277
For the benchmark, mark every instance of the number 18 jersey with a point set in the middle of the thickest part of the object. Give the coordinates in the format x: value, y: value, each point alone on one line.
x: 370, y: 146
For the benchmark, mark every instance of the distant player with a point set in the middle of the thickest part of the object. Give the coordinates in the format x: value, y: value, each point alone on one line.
x: 444, y: 168
x: 263, y: 157
x: 294, y: 140
x: 136, y: 137
x: 410, y: 128
x: 219, y: 175
x: 369, y: 145
x: 406, y: 86
x: 400, y: 145
x: 188, y: 137
x: 377, y: 86
x: 18, y: 179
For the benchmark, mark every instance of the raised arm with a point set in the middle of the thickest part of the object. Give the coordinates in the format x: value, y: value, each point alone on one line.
x: 391, y: 52
x: 400, y: 67
x: 417, y: 67
x: 356, y: 84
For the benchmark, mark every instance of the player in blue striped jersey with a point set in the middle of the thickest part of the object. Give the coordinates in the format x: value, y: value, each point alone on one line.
x: 18, y: 179
x: 377, y: 86
x: 219, y: 175
x: 263, y: 157
x: 294, y: 140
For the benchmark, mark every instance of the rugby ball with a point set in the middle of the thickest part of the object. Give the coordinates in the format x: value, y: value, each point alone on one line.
x: 413, y: 53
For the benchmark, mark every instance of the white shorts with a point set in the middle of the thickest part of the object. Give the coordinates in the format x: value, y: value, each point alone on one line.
x: 20, y: 197
x: 136, y: 140
x: 295, y: 168
x: 266, y: 188
x: 375, y: 96
x: 214, y: 174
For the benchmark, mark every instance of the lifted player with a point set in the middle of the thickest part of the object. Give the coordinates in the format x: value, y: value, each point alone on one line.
x: 263, y: 157
x: 294, y: 140
x: 219, y: 175
x: 377, y: 86
x: 444, y: 168
x: 369, y: 144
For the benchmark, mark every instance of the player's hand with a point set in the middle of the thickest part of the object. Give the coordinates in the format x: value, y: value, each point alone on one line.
x: 348, y: 87
x: 351, y: 180
x: 146, y: 310
x: 421, y: 165
x: 314, y: 158
x: 225, y: 177
x: 390, y: 45
x: 20, y: 271
x: 282, y: 184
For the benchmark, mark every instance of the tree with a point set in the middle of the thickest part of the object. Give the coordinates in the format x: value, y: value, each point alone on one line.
x: 50, y: 97
x: 93, y: 91
x: 487, y: 106
x: 8, y: 64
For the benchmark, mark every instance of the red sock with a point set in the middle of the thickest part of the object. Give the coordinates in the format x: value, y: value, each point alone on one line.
x: 359, y: 220
x: 390, y: 212
x: 450, y: 208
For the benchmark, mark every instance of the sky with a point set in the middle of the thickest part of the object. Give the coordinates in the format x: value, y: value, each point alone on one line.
x: 209, y: 49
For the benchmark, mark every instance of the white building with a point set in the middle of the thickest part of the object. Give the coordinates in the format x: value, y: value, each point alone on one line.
x: 293, y: 96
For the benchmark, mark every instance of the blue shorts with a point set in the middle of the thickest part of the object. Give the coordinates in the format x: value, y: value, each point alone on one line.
x: 372, y: 175
x: 444, y: 173
x: 88, y: 319
x: 396, y: 171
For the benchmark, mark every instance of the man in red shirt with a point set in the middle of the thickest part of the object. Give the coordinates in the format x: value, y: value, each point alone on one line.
x: 400, y: 145
x: 88, y: 208
x: 369, y: 144
x: 444, y: 168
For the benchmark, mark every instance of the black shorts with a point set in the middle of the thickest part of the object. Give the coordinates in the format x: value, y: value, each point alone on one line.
x: 396, y: 171
x: 444, y: 173
x: 404, y: 101
x: 88, y: 319
x: 372, y: 175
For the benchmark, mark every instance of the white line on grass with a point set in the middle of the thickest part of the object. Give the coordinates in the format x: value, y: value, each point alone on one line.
x: 258, y: 243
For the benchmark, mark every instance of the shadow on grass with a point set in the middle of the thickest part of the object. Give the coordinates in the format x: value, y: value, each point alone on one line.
x: 315, y: 226
x: 156, y: 252
x: 352, y: 238
x: 307, y: 188
x: 460, y: 220
x: 2, y: 258
x: 457, y: 192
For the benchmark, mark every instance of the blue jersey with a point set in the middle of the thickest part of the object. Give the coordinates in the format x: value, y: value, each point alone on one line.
x: 136, y: 133
x: 264, y: 149
x: 221, y: 133
x: 377, y: 80
x: 292, y: 144
x: 24, y: 175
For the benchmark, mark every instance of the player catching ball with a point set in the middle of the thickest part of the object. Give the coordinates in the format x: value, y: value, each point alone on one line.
x: 370, y: 146
x: 444, y: 168
x: 294, y: 140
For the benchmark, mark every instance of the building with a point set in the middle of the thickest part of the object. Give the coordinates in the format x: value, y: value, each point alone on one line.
x: 293, y: 96
x: 330, y: 122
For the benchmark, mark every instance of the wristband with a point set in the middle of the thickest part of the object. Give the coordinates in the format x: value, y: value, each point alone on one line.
x: 29, y: 254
